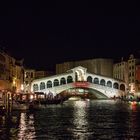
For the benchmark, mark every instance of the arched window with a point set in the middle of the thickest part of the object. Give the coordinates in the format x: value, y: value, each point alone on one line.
x: 56, y: 83
x: 116, y: 85
x: 49, y: 84
x: 69, y: 79
x: 102, y: 82
x: 62, y: 81
x: 122, y: 87
x: 109, y: 83
x: 89, y: 79
x: 42, y: 85
x: 35, y: 87
x: 96, y: 81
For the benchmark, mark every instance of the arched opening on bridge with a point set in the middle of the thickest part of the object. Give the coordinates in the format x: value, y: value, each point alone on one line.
x: 42, y: 85
x: 79, y: 75
x: 122, y: 87
x: 109, y: 83
x: 96, y: 81
x: 116, y: 85
x: 84, y: 93
x: 89, y: 79
x: 69, y: 79
x: 62, y: 81
x: 49, y: 84
x: 35, y: 87
x: 102, y: 82
x: 56, y: 83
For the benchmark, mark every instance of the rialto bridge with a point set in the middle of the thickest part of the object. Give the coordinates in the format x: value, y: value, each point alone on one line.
x: 78, y: 81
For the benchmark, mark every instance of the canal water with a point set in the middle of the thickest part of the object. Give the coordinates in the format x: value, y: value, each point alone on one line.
x: 74, y: 120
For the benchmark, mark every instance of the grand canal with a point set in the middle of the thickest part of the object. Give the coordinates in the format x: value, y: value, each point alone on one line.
x: 82, y: 120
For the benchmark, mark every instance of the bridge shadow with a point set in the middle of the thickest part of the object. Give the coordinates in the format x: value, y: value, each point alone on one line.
x: 83, y: 93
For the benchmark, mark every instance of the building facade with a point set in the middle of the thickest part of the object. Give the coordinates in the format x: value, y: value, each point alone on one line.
x: 98, y: 66
x: 129, y: 72
x: 11, y: 72
x: 30, y: 75
x: 120, y: 71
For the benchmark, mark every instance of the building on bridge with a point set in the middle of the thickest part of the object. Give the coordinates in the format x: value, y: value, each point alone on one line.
x: 78, y: 81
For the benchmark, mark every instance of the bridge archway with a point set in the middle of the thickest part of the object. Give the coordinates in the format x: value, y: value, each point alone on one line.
x: 69, y: 79
x: 96, y: 80
x: 116, y: 85
x: 56, y: 83
x: 35, y: 87
x: 89, y: 79
x: 102, y: 82
x: 62, y: 81
x: 122, y: 87
x: 42, y: 85
x: 109, y: 83
x: 49, y: 84
x: 80, y: 75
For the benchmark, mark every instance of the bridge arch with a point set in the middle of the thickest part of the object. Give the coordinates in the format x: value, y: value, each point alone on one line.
x: 89, y: 79
x: 49, y: 84
x: 122, y: 87
x: 35, y: 87
x: 62, y: 81
x: 42, y: 85
x: 56, y: 82
x: 109, y: 84
x: 96, y: 80
x: 69, y: 79
x: 102, y: 82
x: 116, y: 85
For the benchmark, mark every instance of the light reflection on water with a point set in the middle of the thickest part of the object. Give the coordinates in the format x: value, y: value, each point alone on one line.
x: 26, y: 127
x: 82, y: 120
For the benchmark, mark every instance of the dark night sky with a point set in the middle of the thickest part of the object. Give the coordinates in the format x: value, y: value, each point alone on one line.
x: 48, y: 33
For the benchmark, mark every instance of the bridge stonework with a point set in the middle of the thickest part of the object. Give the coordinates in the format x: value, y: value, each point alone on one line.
x: 79, y: 78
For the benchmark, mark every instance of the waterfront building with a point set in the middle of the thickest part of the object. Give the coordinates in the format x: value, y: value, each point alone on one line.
x: 41, y: 74
x: 11, y: 72
x: 120, y: 71
x: 99, y: 66
x: 128, y: 71
x: 30, y: 75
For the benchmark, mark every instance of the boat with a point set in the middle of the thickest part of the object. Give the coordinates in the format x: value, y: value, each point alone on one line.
x: 20, y: 106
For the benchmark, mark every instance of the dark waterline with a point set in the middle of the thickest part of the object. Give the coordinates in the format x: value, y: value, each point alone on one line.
x: 82, y: 120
